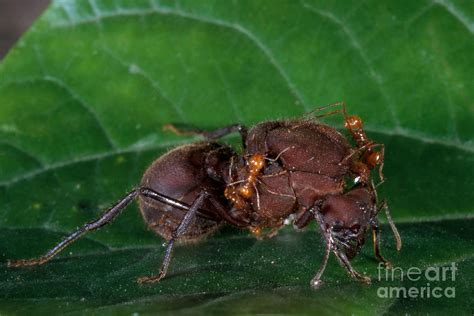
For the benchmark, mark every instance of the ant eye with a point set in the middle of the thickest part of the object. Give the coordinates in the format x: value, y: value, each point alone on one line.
x: 355, y: 228
x: 337, y: 226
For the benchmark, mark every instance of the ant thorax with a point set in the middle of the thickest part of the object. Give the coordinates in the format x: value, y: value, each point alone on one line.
x: 243, y: 179
x: 259, y: 190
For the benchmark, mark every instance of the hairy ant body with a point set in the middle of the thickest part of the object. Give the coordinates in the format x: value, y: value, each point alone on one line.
x: 294, y: 169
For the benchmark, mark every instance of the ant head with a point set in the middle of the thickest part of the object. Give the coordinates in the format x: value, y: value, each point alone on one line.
x: 348, y: 215
x: 353, y: 122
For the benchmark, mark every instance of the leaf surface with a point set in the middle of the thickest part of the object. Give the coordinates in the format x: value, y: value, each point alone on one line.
x: 86, y: 91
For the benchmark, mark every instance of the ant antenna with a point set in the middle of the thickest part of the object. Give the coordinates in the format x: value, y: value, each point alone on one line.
x: 278, y: 156
x: 396, y: 234
x: 340, y: 103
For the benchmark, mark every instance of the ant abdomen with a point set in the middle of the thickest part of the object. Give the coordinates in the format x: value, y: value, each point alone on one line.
x: 182, y: 174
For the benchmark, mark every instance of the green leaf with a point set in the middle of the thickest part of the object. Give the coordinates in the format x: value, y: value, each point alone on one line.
x: 84, y: 96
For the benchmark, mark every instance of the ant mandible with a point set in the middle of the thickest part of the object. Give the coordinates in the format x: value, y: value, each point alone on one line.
x: 289, y: 170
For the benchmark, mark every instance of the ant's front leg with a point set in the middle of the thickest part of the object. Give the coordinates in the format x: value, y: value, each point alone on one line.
x: 304, y: 216
x: 316, y: 280
x: 341, y: 256
x: 214, y: 134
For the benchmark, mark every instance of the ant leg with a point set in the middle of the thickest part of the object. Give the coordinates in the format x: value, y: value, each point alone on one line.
x: 221, y: 132
x: 180, y: 230
x: 352, y: 272
x: 149, y: 193
x: 181, y: 131
x: 367, y: 149
x: 302, y: 220
x: 303, y: 217
x: 273, y: 232
x: 382, y: 154
x: 215, y: 134
x: 222, y: 212
x: 106, y: 218
x: 375, y: 240
x: 316, y: 281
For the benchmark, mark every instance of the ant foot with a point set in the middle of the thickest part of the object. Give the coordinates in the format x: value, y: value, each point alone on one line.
x: 150, y: 279
x: 24, y: 262
x: 387, y: 264
x: 364, y: 279
x: 361, y: 278
x: 316, y: 283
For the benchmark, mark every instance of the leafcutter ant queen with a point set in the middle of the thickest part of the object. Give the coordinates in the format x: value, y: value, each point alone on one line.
x: 289, y: 169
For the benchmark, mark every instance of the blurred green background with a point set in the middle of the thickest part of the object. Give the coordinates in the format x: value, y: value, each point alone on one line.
x: 85, y: 93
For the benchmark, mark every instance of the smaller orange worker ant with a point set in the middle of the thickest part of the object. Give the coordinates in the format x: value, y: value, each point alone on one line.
x: 364, y: 158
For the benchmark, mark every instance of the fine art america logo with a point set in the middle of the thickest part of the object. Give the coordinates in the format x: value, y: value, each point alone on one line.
x: 433, y: 280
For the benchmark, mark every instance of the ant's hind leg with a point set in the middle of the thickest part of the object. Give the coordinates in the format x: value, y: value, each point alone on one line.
x: 180, y: 230
x: 215, y: 134
x: 106, y: 218
x: 375, y: 240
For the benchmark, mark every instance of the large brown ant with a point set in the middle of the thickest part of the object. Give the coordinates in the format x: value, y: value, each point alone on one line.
x: 289, y: 170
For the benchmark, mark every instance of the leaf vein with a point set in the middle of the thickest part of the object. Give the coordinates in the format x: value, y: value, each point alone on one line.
x: 137, y: 70
x: 376, y: 77
x: 84, y: 105
x: 59, y: 83
x: 449, y: 7
x: 23, y: 151
x: 87, y: 158
x: 233, y: 26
